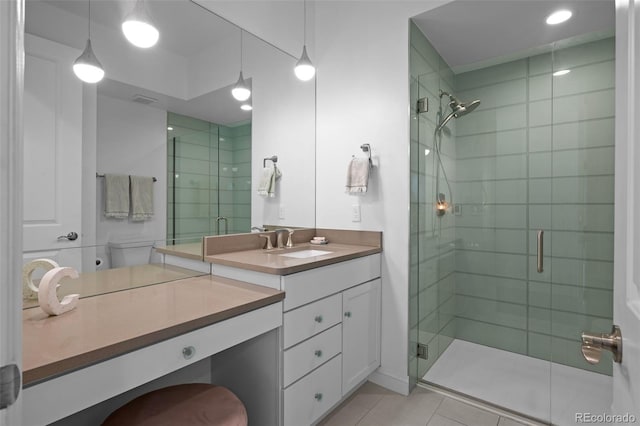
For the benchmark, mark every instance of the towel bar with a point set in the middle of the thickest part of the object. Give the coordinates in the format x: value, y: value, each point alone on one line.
x: 102, y: 175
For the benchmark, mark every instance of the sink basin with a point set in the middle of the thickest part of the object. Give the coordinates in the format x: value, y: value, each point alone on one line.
x: 303, y: 254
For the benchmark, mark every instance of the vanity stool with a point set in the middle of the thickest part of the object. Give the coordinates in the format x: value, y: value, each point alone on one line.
x: 197, y: 404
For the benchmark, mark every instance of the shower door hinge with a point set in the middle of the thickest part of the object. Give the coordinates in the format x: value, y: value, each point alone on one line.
x: 10, y: 384
x: 422, y: 105
x: 423, y: 351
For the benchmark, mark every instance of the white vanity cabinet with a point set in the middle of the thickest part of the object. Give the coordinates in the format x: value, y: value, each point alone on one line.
x: 331, y: 333
x: 360, y: 333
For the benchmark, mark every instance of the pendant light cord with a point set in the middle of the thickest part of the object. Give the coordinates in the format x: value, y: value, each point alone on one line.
x: 304, y: 21
x: 241, y: 31
x: 89, y: 20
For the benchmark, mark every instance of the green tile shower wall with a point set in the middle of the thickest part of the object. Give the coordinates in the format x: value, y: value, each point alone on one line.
x: 536, y: 154
x: 432, y: 251
x: 213, y: 174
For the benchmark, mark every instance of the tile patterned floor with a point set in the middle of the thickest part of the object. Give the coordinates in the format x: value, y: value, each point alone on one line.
x: 372, y: 405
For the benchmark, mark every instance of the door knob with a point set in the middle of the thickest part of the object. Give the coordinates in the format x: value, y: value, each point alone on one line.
x: 71, y: 236
x: 594, y: 343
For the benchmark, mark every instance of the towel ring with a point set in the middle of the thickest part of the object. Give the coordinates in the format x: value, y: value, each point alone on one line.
x: 365, y: 147
x: 273, y: 158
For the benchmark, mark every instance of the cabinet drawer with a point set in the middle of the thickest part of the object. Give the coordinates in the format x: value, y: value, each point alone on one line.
x: 307, y: 286
x: 308, y: 399
x: 303, y: 358
x: 309, y: 320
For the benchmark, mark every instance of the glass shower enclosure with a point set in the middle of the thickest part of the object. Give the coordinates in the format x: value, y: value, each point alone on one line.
x: 521, y: 262
x: 209, y: 168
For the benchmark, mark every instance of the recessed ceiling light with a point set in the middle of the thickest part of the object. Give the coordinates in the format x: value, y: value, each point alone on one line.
x: 169, y: 128
x: 427, y: 151
x: 246, y: 107
x: 561, y: 72
x: 559, y: 17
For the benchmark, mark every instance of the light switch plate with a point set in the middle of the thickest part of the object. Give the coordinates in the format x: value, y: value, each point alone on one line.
x: 281, y: 212
x: 355, y: 213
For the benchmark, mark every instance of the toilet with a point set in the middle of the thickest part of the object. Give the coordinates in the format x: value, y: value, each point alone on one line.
x: 130, y: 252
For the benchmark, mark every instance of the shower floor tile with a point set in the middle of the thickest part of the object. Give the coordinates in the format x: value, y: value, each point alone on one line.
x: 523, y: 384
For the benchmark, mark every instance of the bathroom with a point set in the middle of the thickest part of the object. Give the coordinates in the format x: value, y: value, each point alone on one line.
x: 362, y: 96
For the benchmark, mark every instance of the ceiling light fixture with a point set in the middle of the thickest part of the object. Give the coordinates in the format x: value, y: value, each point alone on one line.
x: 87, y: 67
x: 559, y: 16
x: 304, y: 68
x: 246, y: 107
x: 561, y: 72
x: 169, y: 128
x: 138, y: 27
x: 241, y: 91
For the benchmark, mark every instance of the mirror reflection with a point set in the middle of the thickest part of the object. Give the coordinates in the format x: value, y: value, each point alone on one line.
x: 164, y: 114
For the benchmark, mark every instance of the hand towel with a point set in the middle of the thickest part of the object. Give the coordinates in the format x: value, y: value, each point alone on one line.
x: 267, y: 185
x: 116, y: 196
x: 141, y: 198
x: 357, y: 175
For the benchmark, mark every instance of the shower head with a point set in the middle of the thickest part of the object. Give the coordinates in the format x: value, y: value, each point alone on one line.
x: 458, y: 109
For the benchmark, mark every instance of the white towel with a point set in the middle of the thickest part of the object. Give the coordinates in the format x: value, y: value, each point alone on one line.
x: 267, y: 185
x: 357, y: 175
x: 141, y: 198
x: 116, y: 196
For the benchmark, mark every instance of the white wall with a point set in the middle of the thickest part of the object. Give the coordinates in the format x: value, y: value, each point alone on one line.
x: 362, y: 56
x: 132, y: 140
x: 283, y: 124
x: 363, y: 97
x: 280, y: 22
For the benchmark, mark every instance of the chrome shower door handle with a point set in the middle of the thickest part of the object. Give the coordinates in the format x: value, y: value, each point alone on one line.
x: 540, y: 251
x: 226, y: 225
x: 594, y: 343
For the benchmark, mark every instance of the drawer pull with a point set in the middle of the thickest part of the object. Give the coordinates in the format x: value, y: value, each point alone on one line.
x: 347, y: 314
x: 318, y: 318
x: 188, y: 352
x: 318, y: 396
x: 318, y: 353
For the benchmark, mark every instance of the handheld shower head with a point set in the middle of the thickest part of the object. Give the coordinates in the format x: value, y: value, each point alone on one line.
x: 458, y: 109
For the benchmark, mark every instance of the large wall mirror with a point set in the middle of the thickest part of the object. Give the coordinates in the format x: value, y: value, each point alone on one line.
x: 164, y: 112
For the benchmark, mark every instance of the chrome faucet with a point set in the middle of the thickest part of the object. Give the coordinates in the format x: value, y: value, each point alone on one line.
x: 280, y: 239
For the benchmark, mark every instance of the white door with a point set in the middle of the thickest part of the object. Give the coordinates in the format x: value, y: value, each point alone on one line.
x: 626, y: 376
x: 11, y: 52
x: 52, y: 152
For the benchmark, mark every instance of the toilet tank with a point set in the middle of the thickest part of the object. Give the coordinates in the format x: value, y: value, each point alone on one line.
x: 130, y: 253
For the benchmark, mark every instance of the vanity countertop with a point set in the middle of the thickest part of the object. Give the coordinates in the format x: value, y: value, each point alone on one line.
x: 109, y: 325
x: 187, y: 251
x: 272, y: 261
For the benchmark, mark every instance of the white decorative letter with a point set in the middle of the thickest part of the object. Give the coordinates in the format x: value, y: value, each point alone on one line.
x: 29, y: 289
x: 47, y: 295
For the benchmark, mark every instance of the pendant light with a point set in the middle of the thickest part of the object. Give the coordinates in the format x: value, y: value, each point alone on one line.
x: 241, y: 91
x: 87, y: 67
x: 138, y: 27
x: 304, y: 68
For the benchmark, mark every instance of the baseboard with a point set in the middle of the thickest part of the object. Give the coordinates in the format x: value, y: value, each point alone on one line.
x: 393, y: 383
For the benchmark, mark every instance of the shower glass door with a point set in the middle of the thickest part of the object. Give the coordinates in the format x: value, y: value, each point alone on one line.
x: 193, y: 167
x: 580, y: 153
